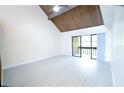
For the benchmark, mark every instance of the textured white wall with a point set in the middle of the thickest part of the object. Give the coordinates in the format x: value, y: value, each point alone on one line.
x: 101, y: 47
x: 26, y: 35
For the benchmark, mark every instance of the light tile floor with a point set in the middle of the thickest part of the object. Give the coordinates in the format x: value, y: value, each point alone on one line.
x: 60, y: 71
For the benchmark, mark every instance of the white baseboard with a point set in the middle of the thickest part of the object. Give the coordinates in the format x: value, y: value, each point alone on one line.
x: 27, y: 62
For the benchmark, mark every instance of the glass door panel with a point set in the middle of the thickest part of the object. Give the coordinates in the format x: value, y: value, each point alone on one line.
x: 76, y: 44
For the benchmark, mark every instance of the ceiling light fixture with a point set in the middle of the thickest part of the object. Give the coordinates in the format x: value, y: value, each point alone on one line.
x: 56, y: 8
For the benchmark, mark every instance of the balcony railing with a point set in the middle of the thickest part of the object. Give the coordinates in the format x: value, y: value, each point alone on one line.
x: 88, y: 50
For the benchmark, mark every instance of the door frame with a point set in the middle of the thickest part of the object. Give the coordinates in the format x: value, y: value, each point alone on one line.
x: 91, y: 47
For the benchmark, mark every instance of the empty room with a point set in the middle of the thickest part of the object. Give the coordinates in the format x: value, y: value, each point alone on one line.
x: 61, y: 45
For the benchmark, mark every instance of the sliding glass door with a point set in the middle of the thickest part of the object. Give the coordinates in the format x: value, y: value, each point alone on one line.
x: 85, y: 46
x: 76, y: 44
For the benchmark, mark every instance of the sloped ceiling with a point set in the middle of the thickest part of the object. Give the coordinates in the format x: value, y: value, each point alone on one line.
x: 72, y: 17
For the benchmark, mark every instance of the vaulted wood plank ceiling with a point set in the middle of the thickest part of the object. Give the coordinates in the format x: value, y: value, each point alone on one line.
x: 72, y: 17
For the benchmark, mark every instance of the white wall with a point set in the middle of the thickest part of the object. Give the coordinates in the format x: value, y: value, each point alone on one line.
x: 108, y: 15
x: 26, y: 35
x: 108, y: 45
x: 118, y: 47
x: 66, y: 40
